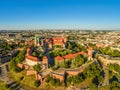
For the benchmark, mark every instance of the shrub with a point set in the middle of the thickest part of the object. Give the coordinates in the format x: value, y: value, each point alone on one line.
x: 37, y: 83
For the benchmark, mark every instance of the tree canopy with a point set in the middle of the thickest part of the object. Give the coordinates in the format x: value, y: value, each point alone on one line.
x: 37, y: 67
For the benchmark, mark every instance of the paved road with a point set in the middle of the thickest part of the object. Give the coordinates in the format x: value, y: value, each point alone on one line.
x: 106, y: 75
x: 106, y: 72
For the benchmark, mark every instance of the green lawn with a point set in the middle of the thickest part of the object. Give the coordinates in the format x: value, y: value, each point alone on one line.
x: 104, y: 87
x: 3, y: 86
x: 85, y: 83
x: 17, y: 76
x: 27, y: 81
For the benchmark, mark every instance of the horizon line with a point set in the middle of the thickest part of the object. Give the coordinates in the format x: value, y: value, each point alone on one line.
x: 61, y: 29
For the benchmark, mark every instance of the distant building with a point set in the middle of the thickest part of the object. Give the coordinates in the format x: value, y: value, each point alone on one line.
x: 60, y: 41
x: 4, y: 59
x: 29, y: 42
x: 11, y: 35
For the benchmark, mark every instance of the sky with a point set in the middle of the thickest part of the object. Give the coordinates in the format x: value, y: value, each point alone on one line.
x: 60, y: 14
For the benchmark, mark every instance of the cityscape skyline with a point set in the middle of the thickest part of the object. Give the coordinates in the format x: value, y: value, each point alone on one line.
x: 60, y: 14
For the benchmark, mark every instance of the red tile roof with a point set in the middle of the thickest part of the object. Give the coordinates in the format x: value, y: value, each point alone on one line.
x: 75, y: 54
x: 32, y: 58
x: 44, y: 58
x: 58, y: 58
x: 58, y: 42
x: 90, y: 48
x: 69, y: 56
x: 57, y: 38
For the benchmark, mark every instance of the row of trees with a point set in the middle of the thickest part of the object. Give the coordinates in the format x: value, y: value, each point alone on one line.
x: 113, y: 86
x: 72, y: 80
x: 115, y: 67
x: 6, y: 46
x: 75, y: 47
x: 75, y: 62
x: 73, y: 37
x: 37, y: 67
x: 36, y: 54
x: 60, y: 52
x: 108, y: 51
x: 92, y: 71
x: 79, y: 60
x: 71, y: 48
x: 114, y: 73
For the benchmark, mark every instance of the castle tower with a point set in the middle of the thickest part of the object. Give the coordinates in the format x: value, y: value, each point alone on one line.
x: 38, y: 42
x: 64, y: 38
x: 35, y: 41
x: 90, y: 51
x: 42, y: 42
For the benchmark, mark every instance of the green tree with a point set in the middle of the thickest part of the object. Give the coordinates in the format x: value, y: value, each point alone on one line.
x: 74, y: 79
x: 98, y: 79
x: 37, y: 67
x: 37, y: 83
x: 13, y: 65
x: 92, y: 87
x: 92, y: 71
x: 40, y: 55
x: 34, y: 54
x: 115, y: 86
x: 69, y: 45
x: 53, y: 81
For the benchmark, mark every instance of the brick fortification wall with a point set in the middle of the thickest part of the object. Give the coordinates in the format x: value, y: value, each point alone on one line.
x: 72, y: 72
x: 76, y: 71
x: 58, y: 76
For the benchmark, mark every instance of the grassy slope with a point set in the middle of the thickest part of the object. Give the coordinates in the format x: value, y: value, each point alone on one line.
x: 27, y: 81
x: 3, y: 86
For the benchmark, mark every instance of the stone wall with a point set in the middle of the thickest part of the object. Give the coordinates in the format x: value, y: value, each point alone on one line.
x: 113, y: 62
x: 5, y: 59
x: 76, y: 71
x: 72, y: 72
x: 106, y: 61
x: 23, y: 66
x: 61, y: 77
